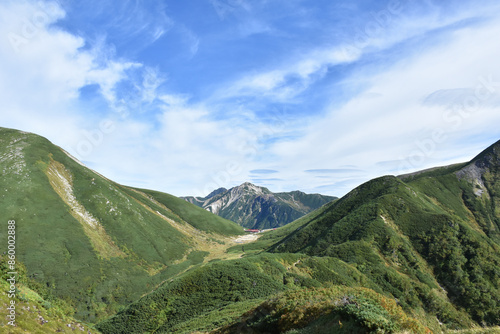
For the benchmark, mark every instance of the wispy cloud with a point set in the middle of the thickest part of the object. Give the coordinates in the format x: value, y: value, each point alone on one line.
x: 126, y: 21
x: 381, y: 31
x: 286, y: 82
x: 190, y: 39
x: 263, y: 171
x: 333, y: 171
x: 227, y: 8
x: 274, y: 92
x: 399, y: 109
x: 260, y: 181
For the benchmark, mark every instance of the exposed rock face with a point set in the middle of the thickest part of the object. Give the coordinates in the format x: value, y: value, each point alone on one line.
x: 474, y: 173
x: 477, y: 170
x: 257, y: 207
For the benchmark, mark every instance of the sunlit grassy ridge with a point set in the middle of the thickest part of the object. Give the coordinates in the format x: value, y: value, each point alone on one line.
x: 216, y: 296
x: 232, y: 285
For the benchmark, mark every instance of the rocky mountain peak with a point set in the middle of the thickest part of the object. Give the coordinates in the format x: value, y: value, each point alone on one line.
x: 489, y: 157
x: 216, y: 192
x: 253, y: 206
x: 251, y: 188
x: 486, y: 162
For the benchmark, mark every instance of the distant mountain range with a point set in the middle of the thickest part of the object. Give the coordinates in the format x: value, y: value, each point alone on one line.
x: 256, y: 207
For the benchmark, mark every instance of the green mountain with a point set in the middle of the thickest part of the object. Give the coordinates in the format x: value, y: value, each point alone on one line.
x: 418, y: 253
x: 92, y: 243
x: 411, y: 234
x: 256, y: 207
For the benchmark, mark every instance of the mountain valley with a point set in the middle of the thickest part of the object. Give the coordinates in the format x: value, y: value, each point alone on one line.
x: 417, y: 253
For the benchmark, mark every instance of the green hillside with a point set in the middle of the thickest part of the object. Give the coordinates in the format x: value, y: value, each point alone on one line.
x: 199, y: 219
x: 215, y: 297
x: 95, y: 244
x: 418, y: 254
x: 334, y: 310
x: 434, y: 227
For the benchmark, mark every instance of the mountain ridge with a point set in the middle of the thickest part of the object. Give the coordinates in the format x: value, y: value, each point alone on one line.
x: 441, y: 222
x: 257, y: 207
x: 99, y: 245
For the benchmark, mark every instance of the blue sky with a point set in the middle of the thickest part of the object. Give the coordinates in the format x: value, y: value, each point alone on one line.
x: 188, y: 96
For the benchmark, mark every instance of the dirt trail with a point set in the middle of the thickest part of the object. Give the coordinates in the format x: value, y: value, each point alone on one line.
x: 246, y: 238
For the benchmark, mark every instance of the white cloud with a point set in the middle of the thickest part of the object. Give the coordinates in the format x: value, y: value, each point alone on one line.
x: 189, y: 40
x: 152, y: 79
x: 226, y: 8
x: 253, y: 26
x: 42, y: 73
x: 187, y: 147
x: 286, y: 82
x: 192, y: 140
x: 40, y: 88
x: 129, y: 19
x: 185, y: 151
x: 383, y: 30
x: 393, y: 120
x: 388, y: 121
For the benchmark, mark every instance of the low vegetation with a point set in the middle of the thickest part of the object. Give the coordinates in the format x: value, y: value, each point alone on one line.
x: 35, y: 309
x: 334, y: 310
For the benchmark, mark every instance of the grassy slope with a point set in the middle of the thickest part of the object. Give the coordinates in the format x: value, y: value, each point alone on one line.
x: 217, y: 294
x: 423, y: 248
x: 32, y: 312
x: 423, y: 245
x: 274, y: 293
x: 370, y: 230
x: 327, y: 310
x: 413, y: 236
x: 198, y: 217
x: 35, y: 313
x: 136, y: 244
